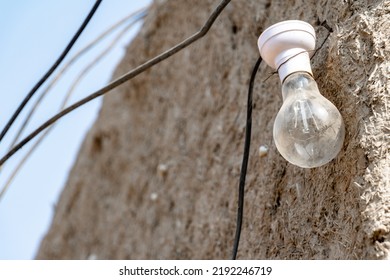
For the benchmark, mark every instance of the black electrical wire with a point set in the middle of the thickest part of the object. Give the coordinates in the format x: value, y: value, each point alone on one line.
x: 50, y: 71
x: 119, y: 81
x: 245, y: 158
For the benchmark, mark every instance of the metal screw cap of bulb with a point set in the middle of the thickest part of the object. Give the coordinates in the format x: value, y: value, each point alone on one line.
x: 308, y: 130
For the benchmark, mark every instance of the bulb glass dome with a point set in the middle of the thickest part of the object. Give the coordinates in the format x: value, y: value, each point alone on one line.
x: 308, y: 130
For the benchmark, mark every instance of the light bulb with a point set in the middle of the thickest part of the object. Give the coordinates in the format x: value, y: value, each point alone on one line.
x: 308, y: 130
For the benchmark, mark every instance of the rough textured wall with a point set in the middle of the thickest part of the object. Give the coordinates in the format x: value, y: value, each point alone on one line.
x: 157, y: 175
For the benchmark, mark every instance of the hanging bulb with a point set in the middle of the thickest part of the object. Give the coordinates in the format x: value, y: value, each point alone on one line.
x: 308, y: 130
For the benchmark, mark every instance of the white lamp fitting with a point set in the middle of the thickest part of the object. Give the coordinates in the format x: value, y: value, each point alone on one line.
x: 285, y: 46
x: 308, y: 130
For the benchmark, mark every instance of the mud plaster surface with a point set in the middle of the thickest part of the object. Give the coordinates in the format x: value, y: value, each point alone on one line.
x: 157, y: 175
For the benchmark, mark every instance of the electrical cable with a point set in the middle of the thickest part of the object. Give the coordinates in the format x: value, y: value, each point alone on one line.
x: 245, y: 158
x: 79, y: 78
x: 50, y: 71
x: 134, y: 17
x: 126, y: 77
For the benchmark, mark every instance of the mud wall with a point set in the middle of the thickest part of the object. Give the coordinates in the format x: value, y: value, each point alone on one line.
x: 157, y: 175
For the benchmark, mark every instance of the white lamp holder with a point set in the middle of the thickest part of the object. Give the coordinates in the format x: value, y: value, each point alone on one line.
x: 285, y: 46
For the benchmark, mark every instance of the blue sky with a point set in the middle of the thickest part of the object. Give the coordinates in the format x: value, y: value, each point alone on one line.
x: 32, y: 36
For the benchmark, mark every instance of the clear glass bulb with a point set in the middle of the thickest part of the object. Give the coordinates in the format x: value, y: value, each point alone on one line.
x: 308, y: 130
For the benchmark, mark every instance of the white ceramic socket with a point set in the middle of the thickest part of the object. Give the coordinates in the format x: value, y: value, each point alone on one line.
x: 285, y: 46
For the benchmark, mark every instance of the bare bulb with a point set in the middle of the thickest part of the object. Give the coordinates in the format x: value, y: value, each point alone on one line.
x: 308, y: 130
